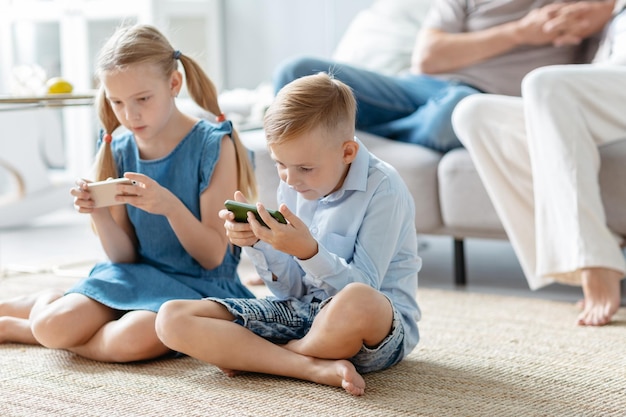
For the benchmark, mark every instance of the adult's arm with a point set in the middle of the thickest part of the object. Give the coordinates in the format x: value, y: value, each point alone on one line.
x: 437, y: 51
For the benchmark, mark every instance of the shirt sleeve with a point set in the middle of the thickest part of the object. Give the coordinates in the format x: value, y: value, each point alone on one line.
x: 446, y: 15
x: 617, y: 54
x: 269, y: 262
x: 381, y: 239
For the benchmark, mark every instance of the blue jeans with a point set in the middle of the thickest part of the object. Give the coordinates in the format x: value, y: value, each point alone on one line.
x: 408, y: 108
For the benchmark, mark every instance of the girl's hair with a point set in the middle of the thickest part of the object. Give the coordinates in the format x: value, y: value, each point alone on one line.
x: 144, y: 44
x: 310, y: 102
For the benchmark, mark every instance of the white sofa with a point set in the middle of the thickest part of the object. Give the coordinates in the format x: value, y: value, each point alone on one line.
x: 449, y: 196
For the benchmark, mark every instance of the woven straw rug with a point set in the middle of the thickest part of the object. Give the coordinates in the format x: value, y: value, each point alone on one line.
x: 480, y: 355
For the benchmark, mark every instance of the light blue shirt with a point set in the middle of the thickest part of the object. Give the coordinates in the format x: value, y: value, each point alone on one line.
x: 365, y: 233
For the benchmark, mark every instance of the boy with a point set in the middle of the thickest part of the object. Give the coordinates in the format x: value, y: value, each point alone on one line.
x: 343, y: 270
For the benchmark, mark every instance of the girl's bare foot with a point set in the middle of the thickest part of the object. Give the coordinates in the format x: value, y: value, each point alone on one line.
x: 16, y: 330
x: 230, y: 372
x: 19, y: 306
x: 252, y: 280
x: 601, y: 288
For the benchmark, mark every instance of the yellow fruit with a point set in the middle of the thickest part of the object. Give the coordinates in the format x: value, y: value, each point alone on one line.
x: 58, y: 85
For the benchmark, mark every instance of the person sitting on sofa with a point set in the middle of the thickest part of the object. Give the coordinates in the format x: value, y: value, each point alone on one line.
x: 463, y: 48
x: 538, y: 159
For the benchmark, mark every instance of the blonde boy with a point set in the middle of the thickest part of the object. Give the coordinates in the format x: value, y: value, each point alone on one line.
x: 343, y: 270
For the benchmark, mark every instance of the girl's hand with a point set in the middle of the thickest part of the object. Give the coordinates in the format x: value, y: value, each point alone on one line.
x: 147, y: 194
x: 293, y: 238
x: 82, y: 197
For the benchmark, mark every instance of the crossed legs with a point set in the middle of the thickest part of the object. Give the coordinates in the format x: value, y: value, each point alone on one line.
x: 81, y: 325
x: 205, y: 330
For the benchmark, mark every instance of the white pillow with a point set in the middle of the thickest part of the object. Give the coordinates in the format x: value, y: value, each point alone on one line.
x: 381, y: 38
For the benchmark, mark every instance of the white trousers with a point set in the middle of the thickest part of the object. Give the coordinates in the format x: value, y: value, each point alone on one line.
x: 538, y: 159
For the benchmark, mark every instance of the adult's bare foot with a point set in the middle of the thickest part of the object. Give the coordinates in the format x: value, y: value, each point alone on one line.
x: 601, y: 288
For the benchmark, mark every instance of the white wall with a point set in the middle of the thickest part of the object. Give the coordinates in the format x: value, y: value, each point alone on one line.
x: 257, y: 35
x: 261, y: 33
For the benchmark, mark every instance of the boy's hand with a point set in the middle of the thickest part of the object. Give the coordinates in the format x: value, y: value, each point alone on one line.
x: 239, y: 234
x: 293, y: 238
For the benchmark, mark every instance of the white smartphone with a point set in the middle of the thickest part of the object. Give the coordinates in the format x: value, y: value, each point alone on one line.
x: 103, y: 192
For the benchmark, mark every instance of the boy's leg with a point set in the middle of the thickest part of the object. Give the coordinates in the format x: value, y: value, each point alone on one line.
x: 358, y: 315
x: 130, y: 338
x: 204, y: 330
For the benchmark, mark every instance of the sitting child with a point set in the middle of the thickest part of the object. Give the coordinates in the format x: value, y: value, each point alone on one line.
x: 343, y: 270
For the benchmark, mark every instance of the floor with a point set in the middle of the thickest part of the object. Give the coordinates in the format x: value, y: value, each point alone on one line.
x: 62, y: 242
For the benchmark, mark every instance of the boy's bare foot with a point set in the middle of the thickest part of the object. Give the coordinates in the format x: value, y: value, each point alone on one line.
x: 351, y: 380
x: 601, y: 288
x: 339, y: 373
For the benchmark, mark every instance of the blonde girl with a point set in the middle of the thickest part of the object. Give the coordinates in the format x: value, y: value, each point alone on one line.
x: 165, y: 239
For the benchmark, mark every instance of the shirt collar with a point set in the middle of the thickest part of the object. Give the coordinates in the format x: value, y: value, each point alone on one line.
x: 356, y: 180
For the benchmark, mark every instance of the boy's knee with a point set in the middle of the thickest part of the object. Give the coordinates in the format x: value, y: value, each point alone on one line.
x: 357, y: 297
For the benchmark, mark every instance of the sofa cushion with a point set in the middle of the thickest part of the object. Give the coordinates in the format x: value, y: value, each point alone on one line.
x: 465, y: 206
x: 418, y: 167
x: 613, y: 184
x: 381, y: 37
x: 467, y: 210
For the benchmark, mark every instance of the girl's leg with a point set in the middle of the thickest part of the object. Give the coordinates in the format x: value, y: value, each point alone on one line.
x: 205, y: 330
x: 130, y: 338
x: 81, y: 325
x: 14, y: 313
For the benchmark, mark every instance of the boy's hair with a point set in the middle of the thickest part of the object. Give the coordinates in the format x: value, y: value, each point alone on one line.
x: 144, y: 44
x: 310, y: 102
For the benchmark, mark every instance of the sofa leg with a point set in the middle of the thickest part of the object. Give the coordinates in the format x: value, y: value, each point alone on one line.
x: 459, y: 262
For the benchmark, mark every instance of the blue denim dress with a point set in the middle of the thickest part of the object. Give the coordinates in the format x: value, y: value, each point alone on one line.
x: 165, y: 270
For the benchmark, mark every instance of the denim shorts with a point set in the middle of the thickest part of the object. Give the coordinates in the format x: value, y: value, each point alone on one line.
x: 280, y: 321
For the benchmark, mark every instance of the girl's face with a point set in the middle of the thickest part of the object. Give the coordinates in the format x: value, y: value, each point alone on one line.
x: 314, y: 164
x: 141, y: 98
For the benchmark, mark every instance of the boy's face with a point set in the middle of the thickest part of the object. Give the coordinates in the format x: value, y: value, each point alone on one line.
x: 314, y: 164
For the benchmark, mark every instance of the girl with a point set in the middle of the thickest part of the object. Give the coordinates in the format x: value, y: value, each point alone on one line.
x: 167, y: 241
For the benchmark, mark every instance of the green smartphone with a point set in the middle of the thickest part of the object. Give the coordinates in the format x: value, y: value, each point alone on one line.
x: 241, y: 212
